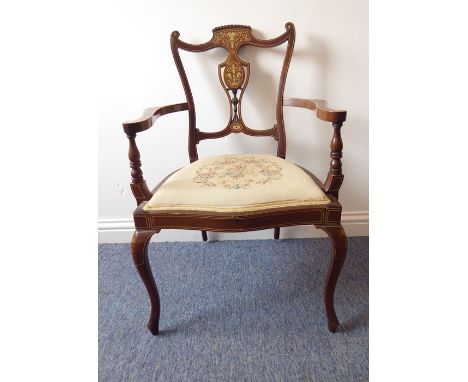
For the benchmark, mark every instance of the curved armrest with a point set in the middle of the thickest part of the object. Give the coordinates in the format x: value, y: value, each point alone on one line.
x: 149, y: 116
x: 139, y: 188
x: 337, y: 117
x: 322, y: 111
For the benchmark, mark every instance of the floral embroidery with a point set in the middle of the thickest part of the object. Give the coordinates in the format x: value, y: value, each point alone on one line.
x: 238, y: 172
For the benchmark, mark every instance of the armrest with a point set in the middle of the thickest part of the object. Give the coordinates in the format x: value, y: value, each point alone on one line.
x: 150, y: 115
x: 337, y: 117
x: 320, y: 106
x: 139, y: 188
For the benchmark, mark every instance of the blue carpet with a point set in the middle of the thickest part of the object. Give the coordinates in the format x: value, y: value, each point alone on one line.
x: 234, y: 311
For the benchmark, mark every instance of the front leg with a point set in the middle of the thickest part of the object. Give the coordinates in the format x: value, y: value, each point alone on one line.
x: 140, y: 243
x: 339, y: 249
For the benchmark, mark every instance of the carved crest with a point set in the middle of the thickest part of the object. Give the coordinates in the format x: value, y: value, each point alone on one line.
x: 231, y: 37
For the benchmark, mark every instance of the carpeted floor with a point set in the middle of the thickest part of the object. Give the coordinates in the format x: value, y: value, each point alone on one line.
x: 234, y: 311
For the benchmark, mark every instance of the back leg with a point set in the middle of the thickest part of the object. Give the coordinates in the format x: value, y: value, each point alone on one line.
x: 277, y: 233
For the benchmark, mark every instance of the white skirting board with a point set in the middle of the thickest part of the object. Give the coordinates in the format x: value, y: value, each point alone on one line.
x: 356, y: 223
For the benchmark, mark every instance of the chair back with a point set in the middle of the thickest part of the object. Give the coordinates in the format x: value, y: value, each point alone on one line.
x: 234, y: 74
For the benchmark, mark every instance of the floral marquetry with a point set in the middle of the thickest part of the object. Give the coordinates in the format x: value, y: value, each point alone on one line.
x: 233, y: 72
x: 232, y: 38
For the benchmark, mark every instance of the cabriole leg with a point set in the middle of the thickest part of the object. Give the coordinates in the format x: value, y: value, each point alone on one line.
x: 338, y: 255
x: 140, y: 242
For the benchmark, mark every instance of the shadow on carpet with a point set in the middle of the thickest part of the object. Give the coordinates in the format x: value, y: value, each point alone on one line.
x: 234, y: 311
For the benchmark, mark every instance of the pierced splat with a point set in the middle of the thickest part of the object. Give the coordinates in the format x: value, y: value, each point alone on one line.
x: 234, y: 74
x: 235, y: 122
x: 234, y: 102
x: 234, y: 95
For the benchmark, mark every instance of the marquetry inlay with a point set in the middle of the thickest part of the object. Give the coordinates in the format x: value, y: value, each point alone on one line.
x: 233, y: 72
x: 231, y: 38
x: 236, y: 127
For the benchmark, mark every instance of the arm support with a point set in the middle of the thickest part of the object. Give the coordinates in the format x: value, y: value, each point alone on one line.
x: 321, y: 110
x: 150, y: 115
x: 337, y: 117
x: 139, y: 188
x: 335, y: 175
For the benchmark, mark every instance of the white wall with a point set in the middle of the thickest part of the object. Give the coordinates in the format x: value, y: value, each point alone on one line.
x: 330, y: 61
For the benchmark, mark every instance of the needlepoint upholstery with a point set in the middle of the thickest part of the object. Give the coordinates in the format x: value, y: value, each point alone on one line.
x: 237, y: 183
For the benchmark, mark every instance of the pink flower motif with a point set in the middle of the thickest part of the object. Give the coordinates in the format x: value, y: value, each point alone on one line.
x: 238, y: 172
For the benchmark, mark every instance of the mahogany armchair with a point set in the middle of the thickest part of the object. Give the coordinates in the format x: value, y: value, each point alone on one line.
x: 236, y: 193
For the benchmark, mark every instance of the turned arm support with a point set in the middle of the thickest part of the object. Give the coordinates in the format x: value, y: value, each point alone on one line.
x: 139, y: 188
x: 337, y: 117
x: 335, y: 176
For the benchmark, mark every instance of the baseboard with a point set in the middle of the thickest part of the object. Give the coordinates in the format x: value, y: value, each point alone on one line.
x: 355, y: 223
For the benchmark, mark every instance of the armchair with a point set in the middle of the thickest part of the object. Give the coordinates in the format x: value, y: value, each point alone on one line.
x: 236, y: 193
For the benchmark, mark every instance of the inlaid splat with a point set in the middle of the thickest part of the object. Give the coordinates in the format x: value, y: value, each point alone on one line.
x: 235, y: 72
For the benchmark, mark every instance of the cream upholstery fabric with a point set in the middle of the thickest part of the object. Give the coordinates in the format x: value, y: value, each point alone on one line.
x: 237, y: 183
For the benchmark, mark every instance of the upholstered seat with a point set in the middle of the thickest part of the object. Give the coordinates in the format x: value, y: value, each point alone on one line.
x: 237, y: 183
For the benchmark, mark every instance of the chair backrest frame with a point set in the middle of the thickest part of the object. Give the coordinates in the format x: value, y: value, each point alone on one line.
x: 234, y: 74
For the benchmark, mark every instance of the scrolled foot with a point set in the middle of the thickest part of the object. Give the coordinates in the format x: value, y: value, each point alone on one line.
x: 153, y: 326
x: 333, y: 325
